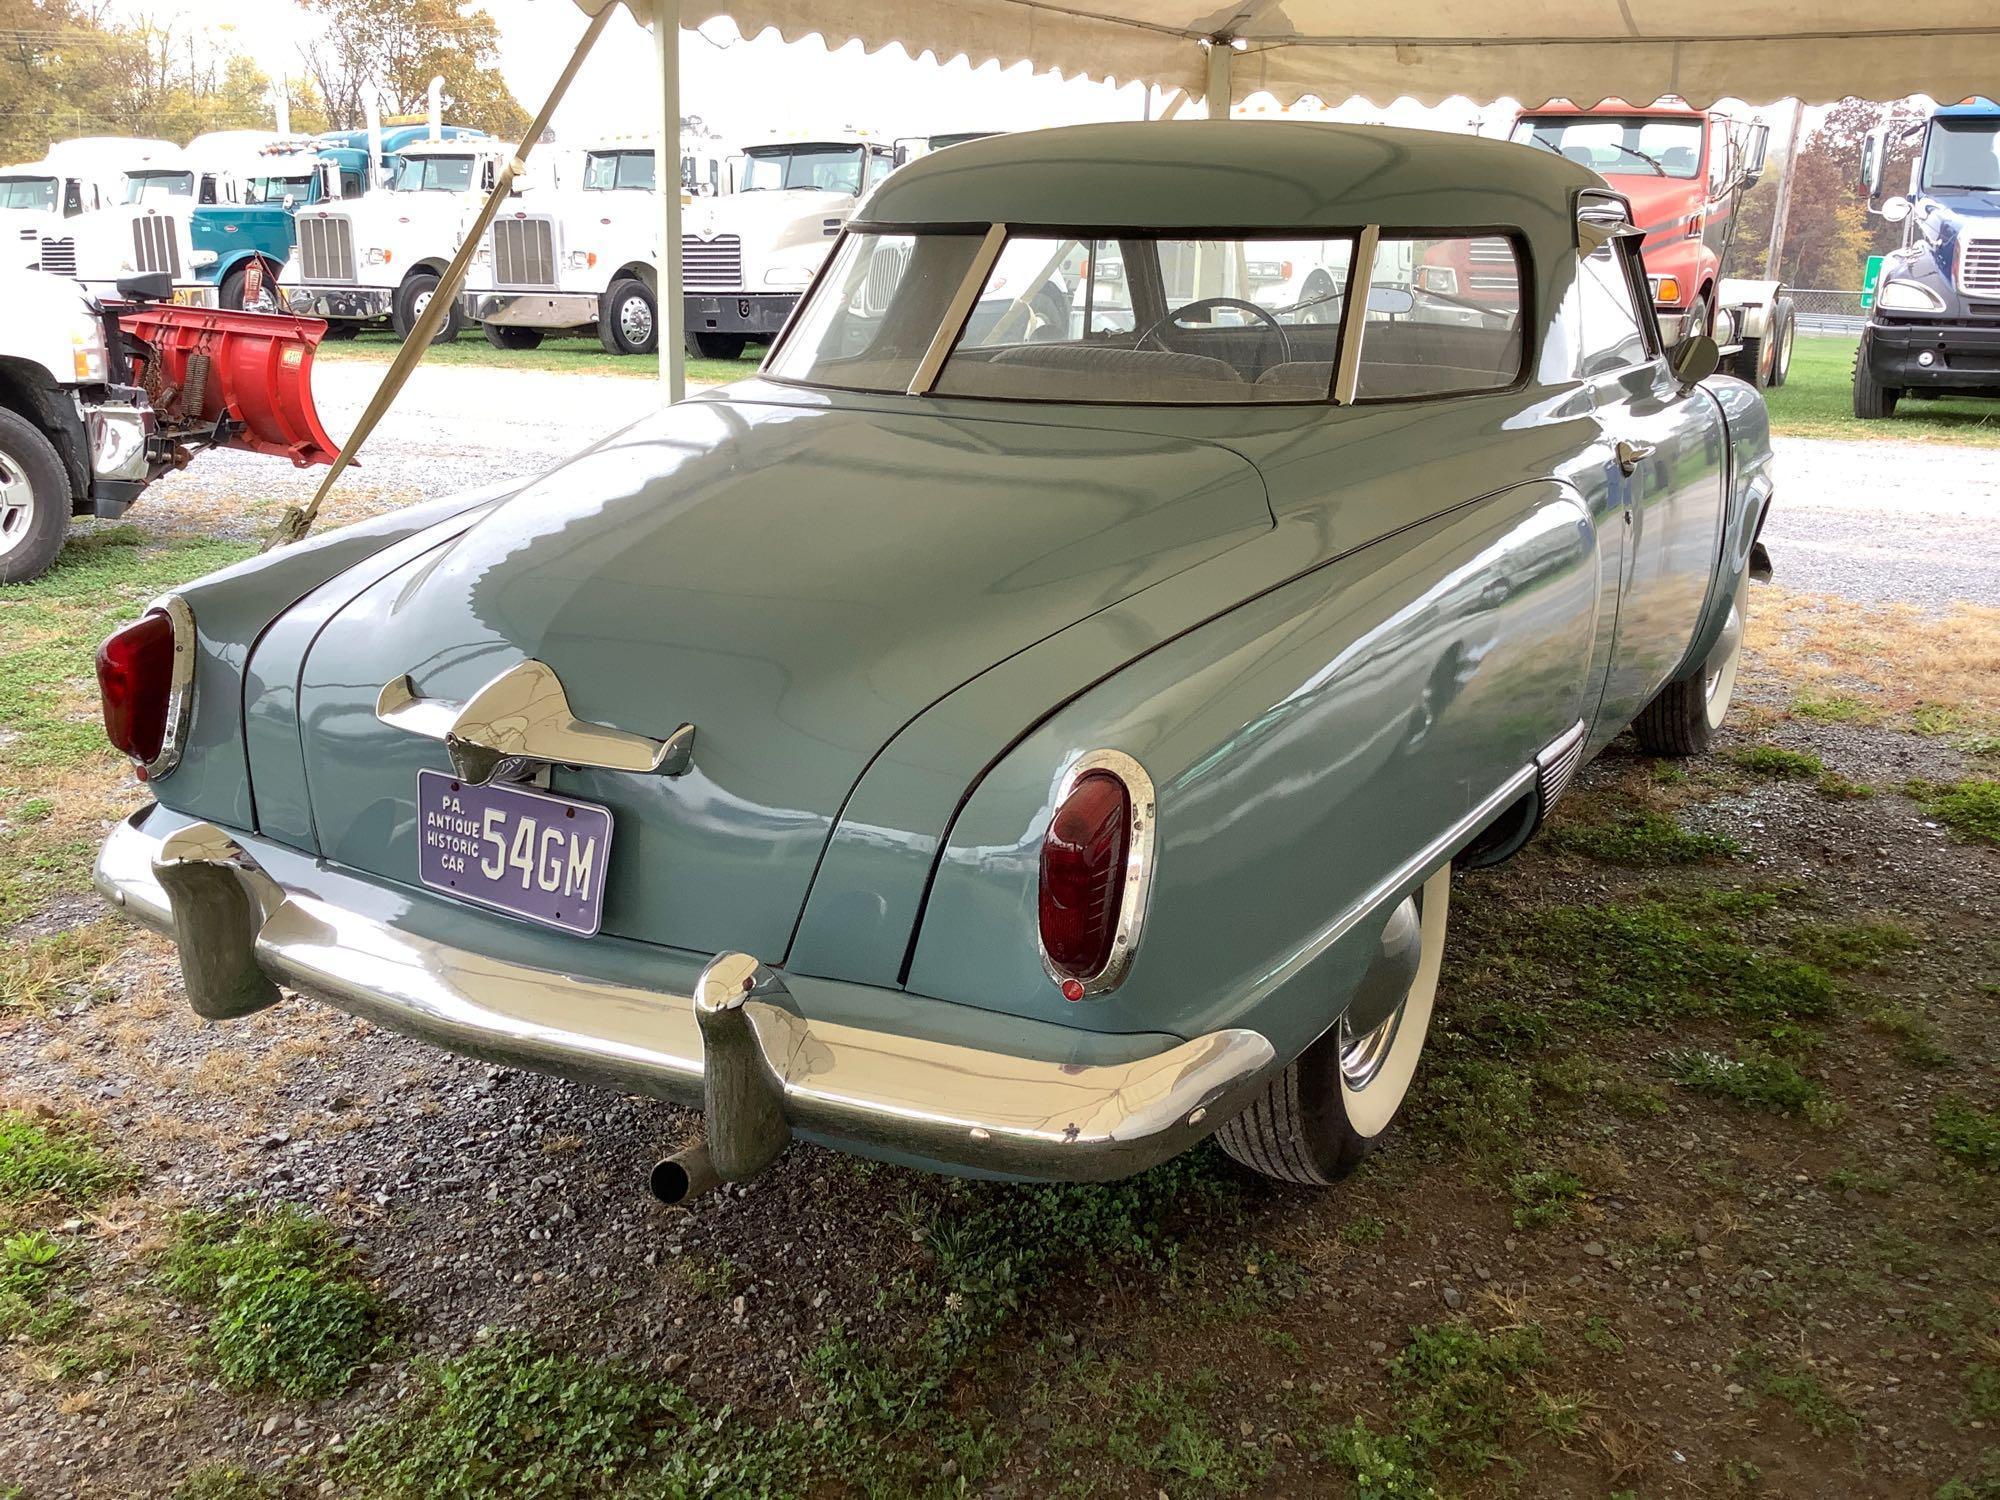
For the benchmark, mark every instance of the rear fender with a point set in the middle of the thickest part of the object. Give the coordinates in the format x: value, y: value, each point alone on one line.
x: 254, y: 369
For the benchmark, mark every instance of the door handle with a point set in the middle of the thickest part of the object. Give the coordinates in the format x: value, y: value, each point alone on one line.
x: 1631, y: 455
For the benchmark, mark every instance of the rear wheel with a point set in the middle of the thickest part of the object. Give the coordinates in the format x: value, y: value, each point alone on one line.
x: 628, y: 319
x: 505, y: 336
x: 716, y: 345
x: 34, y: 500
x: 1683, y: 717
x: 412, y: 298
x: 1872, y: 398
x: 1316, y: 1120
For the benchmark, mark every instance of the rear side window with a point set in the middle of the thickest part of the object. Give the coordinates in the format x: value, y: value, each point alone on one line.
x: 1444, y: 317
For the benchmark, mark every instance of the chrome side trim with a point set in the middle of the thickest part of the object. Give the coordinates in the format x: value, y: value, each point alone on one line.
x: 1354, y: 315
x: 960, y: 308
x: 1141, y: 839
x: 522, y: 719
x: 1556, y: 765
x: 180, y: 693
x: 746, y: 1056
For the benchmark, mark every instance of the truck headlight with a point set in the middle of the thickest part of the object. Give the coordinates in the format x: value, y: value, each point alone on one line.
x: 787, y: 276
x: 1440, y: 279
x: 580, y: 260
x: 1908, y: 296
x: 86, y: 338
x: 201, y: 260
x: 373, y: 256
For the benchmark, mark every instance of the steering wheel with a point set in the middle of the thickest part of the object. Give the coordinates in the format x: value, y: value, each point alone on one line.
x: 1210, y: 304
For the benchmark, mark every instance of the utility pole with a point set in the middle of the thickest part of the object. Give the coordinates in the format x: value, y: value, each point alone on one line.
x: 1783, y: 211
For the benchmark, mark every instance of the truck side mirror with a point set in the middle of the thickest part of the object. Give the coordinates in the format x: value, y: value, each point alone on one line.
x: 1873, y: 155
x: 1895, y: 210
x: 1756, y: 146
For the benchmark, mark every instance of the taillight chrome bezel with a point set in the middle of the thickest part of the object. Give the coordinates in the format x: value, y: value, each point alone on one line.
x: 1140, y: 843
x: 180, y: 686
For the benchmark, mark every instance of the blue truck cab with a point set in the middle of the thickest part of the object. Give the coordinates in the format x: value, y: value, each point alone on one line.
x: 1935, y: 326
x: 250, y: 222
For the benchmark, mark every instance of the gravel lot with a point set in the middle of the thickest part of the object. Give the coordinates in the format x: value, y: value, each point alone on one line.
x: 1877, y: 521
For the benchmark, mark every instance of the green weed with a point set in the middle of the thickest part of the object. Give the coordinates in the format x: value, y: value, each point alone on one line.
x: 1159, y: 1430
x: 228, y: 1482
x: 1778, y: 764
x: 1916, y: 1039
x: 38, y: 1162
x: 1645, y: 841
x: 1840, y: 708
x: 1363, y: 1229
x: 1756, y: 1080
x: 1971, y: 1134
x: 288, y: 1311
x: 1543, y: 1197
x: 1799, y: 1388
x: 1858, y: 945
x: 1970, y: 809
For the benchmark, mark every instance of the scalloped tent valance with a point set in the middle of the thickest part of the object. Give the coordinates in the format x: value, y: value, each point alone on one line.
x: 1533, y: 50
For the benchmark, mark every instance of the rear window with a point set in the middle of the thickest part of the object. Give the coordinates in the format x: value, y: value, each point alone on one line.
x: 1443, y: 318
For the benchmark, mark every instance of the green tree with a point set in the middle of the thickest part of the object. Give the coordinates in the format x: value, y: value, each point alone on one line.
x: 397, y: 47
x: 1831, y: 233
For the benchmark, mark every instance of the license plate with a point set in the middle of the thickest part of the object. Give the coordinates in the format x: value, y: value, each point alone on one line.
x: 190, y: 296
x: 523, y: 852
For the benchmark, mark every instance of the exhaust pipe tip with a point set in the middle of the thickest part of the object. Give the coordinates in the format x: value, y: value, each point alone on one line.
x: 683, y: 1176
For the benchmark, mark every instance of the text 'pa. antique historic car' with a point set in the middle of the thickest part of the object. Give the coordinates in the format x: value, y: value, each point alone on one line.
x: 1015, y: 733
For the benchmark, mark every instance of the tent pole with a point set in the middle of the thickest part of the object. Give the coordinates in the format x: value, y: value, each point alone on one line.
x: 672, y: 308
x: 1221, y: 64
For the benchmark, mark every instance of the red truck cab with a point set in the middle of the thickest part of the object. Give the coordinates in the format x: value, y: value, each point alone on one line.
x: 1683, y: 170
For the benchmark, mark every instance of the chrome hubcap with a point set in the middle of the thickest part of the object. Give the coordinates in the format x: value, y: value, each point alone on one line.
x: 1718, y: 684
x: 17, y: 503
x: 1362, y: 1055
x: 418, y: 303
x: 635, y: 320
x: 1377, y: 1065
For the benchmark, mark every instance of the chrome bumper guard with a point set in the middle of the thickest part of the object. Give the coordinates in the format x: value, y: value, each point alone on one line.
x: 759, y: 1070
x: 530, y: 309
x: 338, y: 301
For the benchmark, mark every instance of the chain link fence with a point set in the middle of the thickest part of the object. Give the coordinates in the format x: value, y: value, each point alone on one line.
x: 1826, y: 310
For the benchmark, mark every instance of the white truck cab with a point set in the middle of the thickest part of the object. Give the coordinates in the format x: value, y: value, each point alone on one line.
x: 570, y: 259
x: 143, y: 225
x: 381, y: 256
x: 749, y: 253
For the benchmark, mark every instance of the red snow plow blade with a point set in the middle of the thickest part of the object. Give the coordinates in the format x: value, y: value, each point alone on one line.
x: 205, y: 366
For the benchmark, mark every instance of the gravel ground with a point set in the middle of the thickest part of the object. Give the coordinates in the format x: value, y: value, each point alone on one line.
x: 1876, y: 521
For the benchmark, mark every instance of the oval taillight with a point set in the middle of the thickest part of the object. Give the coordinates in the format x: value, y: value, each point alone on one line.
x: 135, y: 680
x: 1083, y: 878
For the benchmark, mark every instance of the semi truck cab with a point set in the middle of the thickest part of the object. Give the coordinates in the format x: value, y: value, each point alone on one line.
x: 1935, y: 325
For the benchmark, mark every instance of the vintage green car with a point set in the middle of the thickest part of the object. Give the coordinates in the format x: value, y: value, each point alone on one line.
x: 1021, y: 744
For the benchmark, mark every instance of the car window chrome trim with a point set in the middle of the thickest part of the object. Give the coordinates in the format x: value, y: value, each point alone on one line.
x: 180, y: 685
x: 957, y: 311
x: 1360, y: 278
x: 1141, y: 842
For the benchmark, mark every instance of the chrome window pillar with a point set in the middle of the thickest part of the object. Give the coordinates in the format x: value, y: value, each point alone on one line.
x: 959, y: 309
x: 1360, y: 278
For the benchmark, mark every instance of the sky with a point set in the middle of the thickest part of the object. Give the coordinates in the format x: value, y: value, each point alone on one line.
x: 746, y: 90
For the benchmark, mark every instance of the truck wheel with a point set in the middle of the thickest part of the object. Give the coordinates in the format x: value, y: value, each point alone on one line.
x: 412, y: 297
x: 1683, y: 717
x: 1788, y: 328
x: 1871, y: 398
x: 34, y: 500
x: 506, y: 336
x: 233, y: 291
x: 1315, y: 1121
x: 716, y: 345
x: 628, y: 320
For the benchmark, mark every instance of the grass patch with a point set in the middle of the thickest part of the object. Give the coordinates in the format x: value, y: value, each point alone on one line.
x: 1756, y: 1080
x: 1963, y: 1130
x: 37, y: 973
x: 1544, y: 1196
x: 228, y: 1482
x: 288, y: 1312
x: 1970, y: 809
x: 1834, y: 708
x: 1363, y: 1229
x: 1644, y: 841
x: 1164, y: 1430
x: 40, y: 1162
x: 1824, y: 1412
x: 30, y: 1262
x: 569, y: 356
x: 1916, y: 1039
x: 1855, y: 945
x: 1778, y: 764
x: 1817, y: 400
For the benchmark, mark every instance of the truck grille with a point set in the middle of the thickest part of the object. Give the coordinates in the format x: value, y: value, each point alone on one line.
x: 524, y: 253
x: 326, y: 248
x: 1491, y: 251
x: 885, y: 273
x: 154, y: 247
x: 59, y: 256
x: 712, y: 265
x: 1979, y: 272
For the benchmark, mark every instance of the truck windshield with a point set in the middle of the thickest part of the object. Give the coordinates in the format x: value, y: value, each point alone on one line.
x: 830, y: 169
x: 434, y: 174
x: 156, y: 187
x: 278, y: 189
x: 1963, y: 154
x: 605, y: 170
x: 28, y: 192
x: 1635, y: 147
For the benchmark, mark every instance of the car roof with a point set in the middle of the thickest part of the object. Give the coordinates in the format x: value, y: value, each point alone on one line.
x: 1238, y: 174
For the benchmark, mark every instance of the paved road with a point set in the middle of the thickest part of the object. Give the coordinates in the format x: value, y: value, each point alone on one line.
x: 1879, y: 520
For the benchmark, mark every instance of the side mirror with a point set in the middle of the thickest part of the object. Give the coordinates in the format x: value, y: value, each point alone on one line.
x: 1873, y: 156
x: 1756, y: 146
x: 1895, y: 210
x: 1694, y: 359
x: 148, y: 286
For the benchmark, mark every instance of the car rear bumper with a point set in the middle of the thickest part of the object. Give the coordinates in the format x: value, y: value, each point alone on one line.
x: 531, y: 309
x: 732, y: 1041
x: 1933, y: 356
x: 756, y: 314
x: 339, y: 301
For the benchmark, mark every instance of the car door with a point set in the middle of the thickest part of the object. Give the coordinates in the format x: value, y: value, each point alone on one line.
x: 1664, y: 459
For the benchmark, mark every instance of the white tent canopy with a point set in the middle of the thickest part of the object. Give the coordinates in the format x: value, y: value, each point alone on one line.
x: 1532, y: 50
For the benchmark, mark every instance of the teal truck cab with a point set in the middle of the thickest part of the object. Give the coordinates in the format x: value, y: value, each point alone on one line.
x: 1935, y: 326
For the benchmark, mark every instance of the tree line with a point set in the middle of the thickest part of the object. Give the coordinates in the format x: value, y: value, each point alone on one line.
x: 68, y: 68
